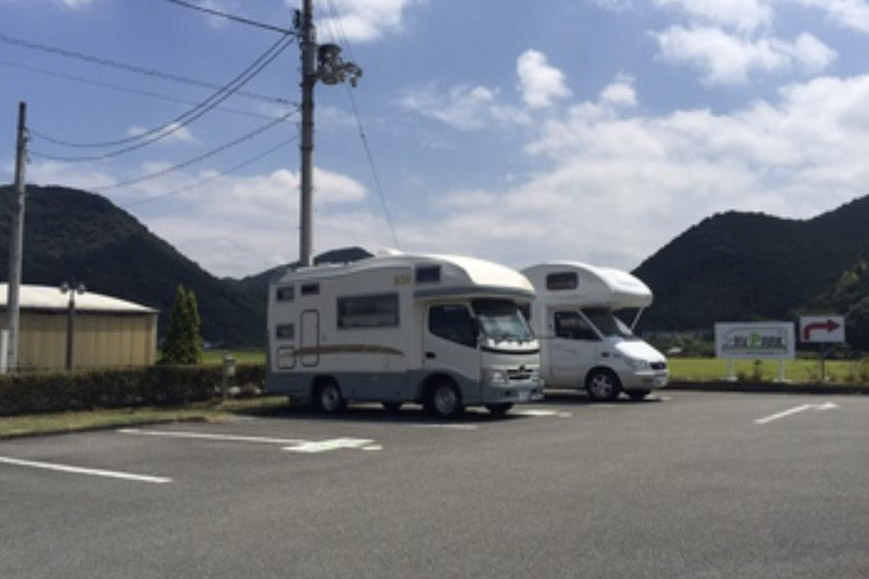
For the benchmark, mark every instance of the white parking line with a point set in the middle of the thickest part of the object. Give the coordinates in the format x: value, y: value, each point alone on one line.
x: 542, y: 412
x: 206, y: 436
x: 86, y: 471
x: 288, y: 444
x: 796, y: 410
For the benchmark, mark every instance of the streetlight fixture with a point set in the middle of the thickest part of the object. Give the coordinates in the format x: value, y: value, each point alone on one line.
x: 66, y: 288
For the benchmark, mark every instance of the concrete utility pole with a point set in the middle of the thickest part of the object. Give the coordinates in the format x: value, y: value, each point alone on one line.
x: 323, y: 63
x: 16, y: 241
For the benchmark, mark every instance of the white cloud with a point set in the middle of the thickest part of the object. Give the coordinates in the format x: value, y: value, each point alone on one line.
x: 621, y: 185
x: 362, y: 20
x: 614, y: 5
x: 539, y: 83
x: 729, y: 59
x: 174, y: 133
x: 620, y: 93
x: 742, y: 15
x: 463, y: 107
x: 852, y: 14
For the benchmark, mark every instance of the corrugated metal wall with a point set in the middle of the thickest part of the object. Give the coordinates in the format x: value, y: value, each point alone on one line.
x: 102, y: 340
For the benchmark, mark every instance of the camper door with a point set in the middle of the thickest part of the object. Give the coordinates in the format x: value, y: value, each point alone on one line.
x: 574, y: 348
x: 450, y: 341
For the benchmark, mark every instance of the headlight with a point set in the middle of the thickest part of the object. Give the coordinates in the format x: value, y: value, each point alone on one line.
x: 637, y: 364
x: 496, y: 378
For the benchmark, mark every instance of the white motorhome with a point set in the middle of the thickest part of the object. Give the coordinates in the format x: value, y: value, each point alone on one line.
x: 582, y: 343
x: 443, y: 331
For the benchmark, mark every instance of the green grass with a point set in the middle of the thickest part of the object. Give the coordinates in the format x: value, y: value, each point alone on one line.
x: 241, y: 356
x: 801, y: 371
x: 214, y: 411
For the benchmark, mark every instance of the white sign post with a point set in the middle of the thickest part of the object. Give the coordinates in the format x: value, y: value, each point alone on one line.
x: 822, y: 330
x: 755, y: 341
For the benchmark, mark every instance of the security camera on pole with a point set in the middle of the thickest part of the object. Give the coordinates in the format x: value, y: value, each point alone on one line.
x: 323, y: 63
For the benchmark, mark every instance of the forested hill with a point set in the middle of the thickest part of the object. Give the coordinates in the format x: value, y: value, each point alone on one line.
x: 71, y: 235
x: 747, y: 266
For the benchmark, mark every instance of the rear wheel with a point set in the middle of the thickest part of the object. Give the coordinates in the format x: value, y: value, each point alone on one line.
x: 602, y: 385
x: 329, y: 399
x: 445, y: 400
x: 499, y: 409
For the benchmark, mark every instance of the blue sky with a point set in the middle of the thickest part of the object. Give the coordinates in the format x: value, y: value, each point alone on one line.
x: 594, y: 130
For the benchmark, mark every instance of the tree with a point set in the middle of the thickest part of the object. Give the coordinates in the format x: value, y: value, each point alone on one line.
x: 183, y: 343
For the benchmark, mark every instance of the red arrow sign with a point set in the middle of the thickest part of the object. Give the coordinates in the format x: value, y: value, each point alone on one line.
x: 827, y: 326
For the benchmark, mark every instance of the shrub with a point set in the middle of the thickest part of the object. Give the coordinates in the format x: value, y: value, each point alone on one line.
x: 155, y: 385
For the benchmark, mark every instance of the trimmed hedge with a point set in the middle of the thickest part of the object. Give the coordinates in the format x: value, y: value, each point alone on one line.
x: 151, y: 386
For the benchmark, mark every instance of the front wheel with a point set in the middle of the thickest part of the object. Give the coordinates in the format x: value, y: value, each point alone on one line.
x: 329, y: 398
x: 445, y: 400
x: 603, y: 385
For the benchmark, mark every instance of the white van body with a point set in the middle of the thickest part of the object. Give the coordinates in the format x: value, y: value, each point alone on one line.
x: 443, y: 331
x: 583, y: 345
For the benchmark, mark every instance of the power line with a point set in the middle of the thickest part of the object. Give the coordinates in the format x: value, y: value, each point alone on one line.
x: 135, y: 91
x: 211, y: 153
x: 342, y: 39
x: 220, y: 175
x: 233, y: 17
x: 163, y: 131
x: 145, y: 93
x: 131, y: 68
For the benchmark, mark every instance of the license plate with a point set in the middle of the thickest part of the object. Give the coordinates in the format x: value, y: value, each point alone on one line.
x: 524, y: 396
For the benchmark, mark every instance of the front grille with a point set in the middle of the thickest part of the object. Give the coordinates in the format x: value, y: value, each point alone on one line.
x: 520, y: 374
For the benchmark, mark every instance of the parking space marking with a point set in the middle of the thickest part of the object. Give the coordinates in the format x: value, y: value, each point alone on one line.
x: 128, y: 476
x: 542, y: 412
x: 444, y: 426
x: 796, y: 410
x: 289, y: 444
x: 207, y: 436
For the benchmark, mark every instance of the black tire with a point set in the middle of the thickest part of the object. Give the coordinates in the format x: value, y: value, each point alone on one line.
x: 638, y: 394
x: 499, y: 409
x: 392, y: 406
x: 603, y: 385
x: 328, y: 398
x: 444, y: 399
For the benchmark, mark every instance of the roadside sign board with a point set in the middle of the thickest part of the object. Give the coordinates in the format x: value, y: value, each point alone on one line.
x: 822, y: 329
x: 755, y: 340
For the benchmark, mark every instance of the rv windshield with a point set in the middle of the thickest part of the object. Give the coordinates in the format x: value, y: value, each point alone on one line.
x: 502, y: 320
x: 608, y: 324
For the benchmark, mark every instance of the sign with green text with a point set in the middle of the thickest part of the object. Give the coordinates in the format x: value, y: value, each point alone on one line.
x: 755, y: 340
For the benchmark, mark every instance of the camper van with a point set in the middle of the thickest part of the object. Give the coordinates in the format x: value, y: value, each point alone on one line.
x: 443, y: 331
x: 583, y: 344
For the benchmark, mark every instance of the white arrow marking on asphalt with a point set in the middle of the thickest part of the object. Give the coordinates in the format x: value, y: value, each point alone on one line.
x: 327, y: 445
x: 795, y: 410
x: 291, y: 444
x: 86, y: 471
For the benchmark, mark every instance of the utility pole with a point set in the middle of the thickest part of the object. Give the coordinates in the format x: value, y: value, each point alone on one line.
x: 308, y: 39
x: 324, y: 63
x: 16, y: 241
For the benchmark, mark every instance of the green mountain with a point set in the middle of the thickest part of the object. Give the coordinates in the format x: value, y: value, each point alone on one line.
x: 74, y: 236
x: 748, y: 266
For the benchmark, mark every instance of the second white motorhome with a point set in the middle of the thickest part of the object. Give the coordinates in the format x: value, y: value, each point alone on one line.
x: 583, y: 344
x: 443, y: 331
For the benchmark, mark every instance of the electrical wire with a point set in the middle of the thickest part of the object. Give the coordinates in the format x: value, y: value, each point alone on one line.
x: 211, y: 153
x: 145, y: 93
x: 213, y: 178
x: 159, y: 133
x: 341, y: 38
x: 221, y: 14
x: 130, y: 67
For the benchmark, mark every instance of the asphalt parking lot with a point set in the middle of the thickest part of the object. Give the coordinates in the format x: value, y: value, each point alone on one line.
x: 688, y: 484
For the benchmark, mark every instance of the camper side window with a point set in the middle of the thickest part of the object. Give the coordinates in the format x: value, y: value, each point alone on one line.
x: 286, y: 294
x: 453, y: 323
x: 571, y: 326
x: 566, y: 280
x: 368, y: 311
